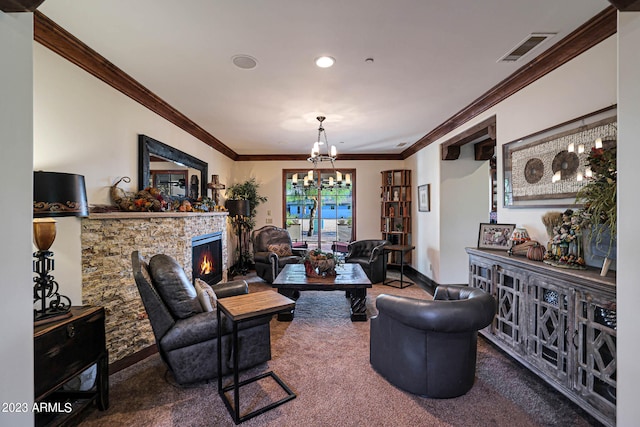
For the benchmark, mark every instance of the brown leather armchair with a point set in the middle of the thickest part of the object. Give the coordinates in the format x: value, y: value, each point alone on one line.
x: 428, y: 347
x: 272, y: 250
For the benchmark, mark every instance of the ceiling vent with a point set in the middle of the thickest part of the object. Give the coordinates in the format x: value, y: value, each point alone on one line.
x: 526, y: 46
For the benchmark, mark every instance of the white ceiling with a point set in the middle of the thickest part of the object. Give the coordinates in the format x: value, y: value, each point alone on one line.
x: 431, y: 59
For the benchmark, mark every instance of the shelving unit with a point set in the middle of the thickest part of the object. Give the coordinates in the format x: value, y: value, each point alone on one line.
x: 395, y: 215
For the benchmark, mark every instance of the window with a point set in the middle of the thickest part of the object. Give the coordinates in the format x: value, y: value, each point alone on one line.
x: 319, y: 214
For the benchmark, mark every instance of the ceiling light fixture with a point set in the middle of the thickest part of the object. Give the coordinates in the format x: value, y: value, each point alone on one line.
x: 316, y: 157
x: 325, y: 61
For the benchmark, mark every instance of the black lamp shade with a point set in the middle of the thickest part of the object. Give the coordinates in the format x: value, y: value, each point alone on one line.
x: 238, y: 207
x: 59, y: 194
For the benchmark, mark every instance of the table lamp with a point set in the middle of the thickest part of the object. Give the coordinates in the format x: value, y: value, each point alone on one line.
x: 55, y: 194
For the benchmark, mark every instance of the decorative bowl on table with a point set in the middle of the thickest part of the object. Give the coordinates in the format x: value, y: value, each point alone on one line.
x: 319, y: 264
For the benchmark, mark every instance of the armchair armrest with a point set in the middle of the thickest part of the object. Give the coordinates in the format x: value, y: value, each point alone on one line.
x: 229, y: 289
x: 273, y: 258
x: 198, y: 328
x: 262, y: 257
x: 376, y: 252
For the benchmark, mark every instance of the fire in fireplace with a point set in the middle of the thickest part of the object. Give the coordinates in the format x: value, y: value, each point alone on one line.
x: 206, y: 257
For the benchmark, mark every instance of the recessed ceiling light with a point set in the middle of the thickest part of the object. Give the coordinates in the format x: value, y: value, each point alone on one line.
x: 325, y: 61
x: 245, y: 62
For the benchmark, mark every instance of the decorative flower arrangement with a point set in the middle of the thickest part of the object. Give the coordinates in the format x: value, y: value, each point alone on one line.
x: 147, y: 200
x: 599, y: 195
x: 319, y: 264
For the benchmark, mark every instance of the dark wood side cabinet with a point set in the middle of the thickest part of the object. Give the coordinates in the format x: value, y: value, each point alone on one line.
x: 62, y: 350
x: 559, y: 323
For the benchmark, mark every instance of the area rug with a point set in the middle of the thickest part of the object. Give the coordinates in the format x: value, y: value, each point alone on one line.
x: 324, y: 358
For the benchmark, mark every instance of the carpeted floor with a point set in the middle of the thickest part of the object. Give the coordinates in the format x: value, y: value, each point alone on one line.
x: 324, y: 358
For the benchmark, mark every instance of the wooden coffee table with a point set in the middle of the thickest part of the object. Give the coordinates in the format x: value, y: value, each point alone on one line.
x: 351, y: 278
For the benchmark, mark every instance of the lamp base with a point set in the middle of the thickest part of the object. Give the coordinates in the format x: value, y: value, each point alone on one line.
x: 47, y: 302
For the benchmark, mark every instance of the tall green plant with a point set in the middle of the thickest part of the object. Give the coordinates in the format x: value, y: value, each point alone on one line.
x: 599, y: 196
x: 247, y: 190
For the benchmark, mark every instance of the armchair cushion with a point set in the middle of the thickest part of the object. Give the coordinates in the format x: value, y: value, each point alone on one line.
x: 174, y: 288
x: 281, y: 249
x: 206, y: 296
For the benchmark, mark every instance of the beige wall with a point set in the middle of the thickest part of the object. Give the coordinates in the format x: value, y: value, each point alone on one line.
x: 583, y: 85
x: 16, y: 285
x: 82, y: 125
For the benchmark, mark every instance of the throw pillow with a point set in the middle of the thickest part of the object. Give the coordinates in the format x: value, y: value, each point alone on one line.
x: 280, y: 249
x: 207, y: 297
x: 174, y: 288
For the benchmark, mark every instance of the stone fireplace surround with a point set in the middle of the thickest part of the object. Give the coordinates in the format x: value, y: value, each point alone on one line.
x: 107, y: 278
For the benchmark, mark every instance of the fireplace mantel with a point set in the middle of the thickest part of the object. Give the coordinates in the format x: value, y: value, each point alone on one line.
x: 107, y: 241
x: 144, y: 215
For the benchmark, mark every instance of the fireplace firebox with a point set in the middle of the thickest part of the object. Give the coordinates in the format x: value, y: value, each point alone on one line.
x: 206, y: 256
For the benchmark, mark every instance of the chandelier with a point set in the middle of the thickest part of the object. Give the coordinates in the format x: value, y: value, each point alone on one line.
x: 317, y: 157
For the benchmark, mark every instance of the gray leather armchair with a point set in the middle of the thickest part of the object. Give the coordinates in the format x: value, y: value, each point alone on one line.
x: 371, y: 256
x: 428, y: 347
x: 186, y: 335
x: 269, y: 251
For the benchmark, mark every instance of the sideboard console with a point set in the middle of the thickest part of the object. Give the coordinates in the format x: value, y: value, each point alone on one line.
x: 559, y: 323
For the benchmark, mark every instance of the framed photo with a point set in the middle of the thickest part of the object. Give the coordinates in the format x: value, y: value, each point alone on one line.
x: 424, y: 198
x: 547, y: 168
x: 495, y: 236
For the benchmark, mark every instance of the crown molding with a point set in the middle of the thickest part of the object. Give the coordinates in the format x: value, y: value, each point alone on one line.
x: 52, y: 36
x: 592, y: 32
x: 289, y: 157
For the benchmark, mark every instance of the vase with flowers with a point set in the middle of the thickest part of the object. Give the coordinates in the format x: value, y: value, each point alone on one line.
x: 599, y: 197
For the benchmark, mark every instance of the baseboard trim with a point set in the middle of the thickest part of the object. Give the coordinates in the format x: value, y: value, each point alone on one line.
x: 132, y: 359
x: 429, y: 284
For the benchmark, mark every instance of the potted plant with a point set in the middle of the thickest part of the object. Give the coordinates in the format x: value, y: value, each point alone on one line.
x: 247, y: 190
x: 599, y: 197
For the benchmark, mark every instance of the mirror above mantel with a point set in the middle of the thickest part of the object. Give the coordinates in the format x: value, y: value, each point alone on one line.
x: 176, y: 173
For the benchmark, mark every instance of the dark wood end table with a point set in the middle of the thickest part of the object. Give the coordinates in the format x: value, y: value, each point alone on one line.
x: 237, y: 309
x: 350, y: 278
x: 403, y: 249
x: 63, y: 349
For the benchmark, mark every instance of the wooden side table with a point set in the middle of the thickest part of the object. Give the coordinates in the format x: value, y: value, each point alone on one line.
x: 403, y: 249
x: 238, y: 309
x: 62, y: 350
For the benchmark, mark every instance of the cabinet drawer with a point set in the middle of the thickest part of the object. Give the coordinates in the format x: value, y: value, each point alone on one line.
x: 66, y: 350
